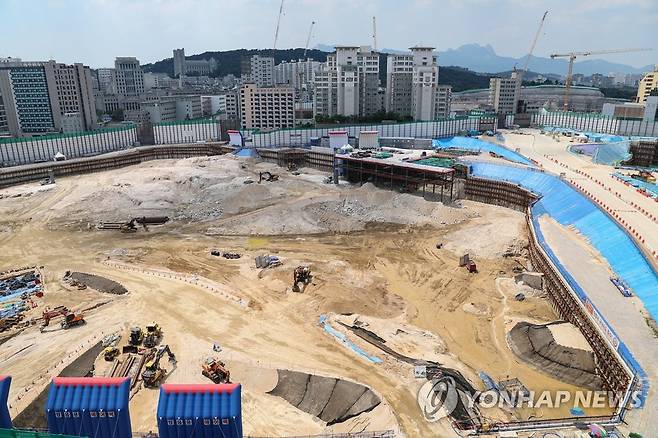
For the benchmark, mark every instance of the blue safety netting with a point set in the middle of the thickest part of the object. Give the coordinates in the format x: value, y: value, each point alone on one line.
x: 475, y: 144
x: 567, y: 206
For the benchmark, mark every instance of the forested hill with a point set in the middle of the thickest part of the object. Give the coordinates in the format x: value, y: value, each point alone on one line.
x: 228, y: 62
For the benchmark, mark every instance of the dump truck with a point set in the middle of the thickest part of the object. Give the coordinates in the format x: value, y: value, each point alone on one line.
x: 153, y: 374
x: 216, y: 371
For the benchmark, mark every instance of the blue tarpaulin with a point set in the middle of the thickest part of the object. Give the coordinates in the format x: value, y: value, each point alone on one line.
x: 475, y: 144
x: 200, y: 411
x: 94, y: 407
x: 5, y: 419
x: 570, y: 208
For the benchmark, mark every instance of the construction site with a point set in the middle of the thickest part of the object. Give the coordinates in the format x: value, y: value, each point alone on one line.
x: 333, y: 286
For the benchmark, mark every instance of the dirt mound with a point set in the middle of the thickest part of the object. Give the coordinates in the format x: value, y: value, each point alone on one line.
x: 537, y: 345
x: 98, y: 283
x: 329, y: 399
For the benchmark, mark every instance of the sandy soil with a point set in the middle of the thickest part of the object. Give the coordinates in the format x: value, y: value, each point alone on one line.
x: 386, y: 269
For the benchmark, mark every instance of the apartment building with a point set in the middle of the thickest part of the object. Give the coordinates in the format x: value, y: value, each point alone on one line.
x: 258, y: 70
x: 504, y: 93
x: 299, y: 75
x: 267, y: 108
x: 443, y: 105
x: 348, y: 83
x: 412, y: 87
x: 648, y: 83
x: 36, y: 96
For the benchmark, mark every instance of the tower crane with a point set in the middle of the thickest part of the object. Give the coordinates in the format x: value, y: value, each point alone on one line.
x: 572, y: 57
x: 308, y: 38
x: 278, y: 23
x: 374, y: 33
x: 534, y: 42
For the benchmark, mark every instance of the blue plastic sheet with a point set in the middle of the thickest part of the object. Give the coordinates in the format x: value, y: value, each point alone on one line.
x: 475, y: 144
x: 570, y: 208
x: 343, y: 339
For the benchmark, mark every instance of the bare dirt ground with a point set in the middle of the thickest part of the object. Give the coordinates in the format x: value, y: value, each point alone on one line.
x: 372, y: 253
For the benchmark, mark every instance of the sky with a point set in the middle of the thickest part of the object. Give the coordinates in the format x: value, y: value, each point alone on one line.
x: 96, y: 31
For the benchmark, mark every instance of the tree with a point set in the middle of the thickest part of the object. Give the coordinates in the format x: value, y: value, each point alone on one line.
x: 117, y: 115
x: 654, y: 92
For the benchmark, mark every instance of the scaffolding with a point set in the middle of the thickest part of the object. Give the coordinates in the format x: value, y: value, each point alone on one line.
x: 435, y: 183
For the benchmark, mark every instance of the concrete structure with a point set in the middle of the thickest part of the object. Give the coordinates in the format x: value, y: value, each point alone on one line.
x: 4, y: 127
x: 72, y: 122
x: 412, y: 85
x: 224, y: 105
x: 267, y: 107
x: 299, y: 75
x: 504, y: 93
x: 129, y: 82
x: 106, y: 80
x: 37, y: 95
x: 179, y: 62
x: 443, y: 106
x: 633, y: 111
x: 173, y: 108
x: 348, y: 83
x: 550, y: 97
x: 184, y: 66
x: 648, y: 83
x: 258, y: 70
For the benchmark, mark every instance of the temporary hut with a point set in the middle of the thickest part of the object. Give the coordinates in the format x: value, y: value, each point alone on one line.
x: 94, y: 407
x: 200, y: 411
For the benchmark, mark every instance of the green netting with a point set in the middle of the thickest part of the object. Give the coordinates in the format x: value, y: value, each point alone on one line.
x: 17, y: 433
x: 436, y: 162
x: 187, y: 122
x: 61, y: 136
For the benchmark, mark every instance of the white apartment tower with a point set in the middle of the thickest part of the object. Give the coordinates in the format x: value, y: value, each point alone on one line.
x: 260, y: 71
x: 348, y: 83
x: 504, y: 93
x: 412, y: 85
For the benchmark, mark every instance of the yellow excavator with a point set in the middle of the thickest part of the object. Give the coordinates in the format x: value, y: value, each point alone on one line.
x: 110, y: 353
x: 153, y: 335
x: 153, y: 374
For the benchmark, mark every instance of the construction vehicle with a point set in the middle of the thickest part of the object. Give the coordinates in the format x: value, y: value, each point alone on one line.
x: 110, y: 353
x: 267, y: 176
x: 72, y: 319
x: 301, y: 276
x: 572, y: 57
x: 153, y: 374
x: 471, y: 267
x: 49, y: 314
x: 136, y: 336
x: 153, y: 335
x: 216, y: 371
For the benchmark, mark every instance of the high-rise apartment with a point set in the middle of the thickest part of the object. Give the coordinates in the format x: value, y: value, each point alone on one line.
x: 412, y: 85
x: 348, y: 83
x: 648, y: 83
x: 504, y: 93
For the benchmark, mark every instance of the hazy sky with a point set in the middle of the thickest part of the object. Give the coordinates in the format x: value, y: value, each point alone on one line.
x: 95, y: 31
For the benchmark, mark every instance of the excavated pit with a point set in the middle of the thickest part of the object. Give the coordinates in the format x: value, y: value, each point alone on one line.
x: 329, y: 399
x: 99, y: 283
x: 536, y: 345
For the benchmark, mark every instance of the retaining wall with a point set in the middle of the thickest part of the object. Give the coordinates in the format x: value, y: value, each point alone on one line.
x: 20, y: 174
